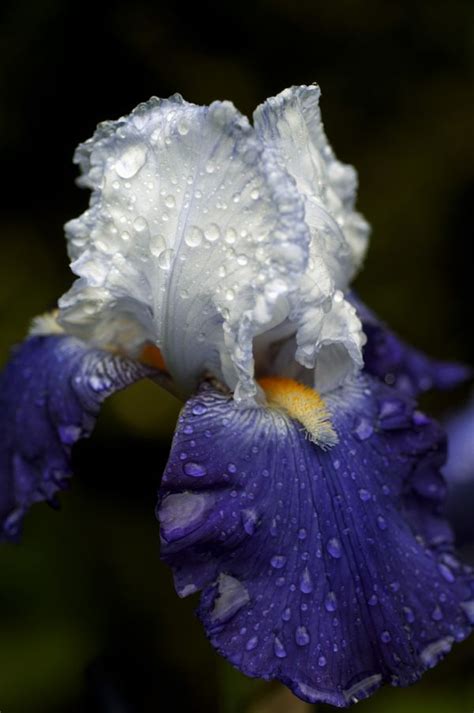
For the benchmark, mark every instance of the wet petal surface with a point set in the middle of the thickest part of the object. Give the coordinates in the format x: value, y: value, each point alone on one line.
x: 333, y: 570
x: 193, y: 234
x: 50, y: 394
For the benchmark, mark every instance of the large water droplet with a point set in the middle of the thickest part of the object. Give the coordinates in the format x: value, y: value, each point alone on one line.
x: 157, y: 245
x: 363, y: 429
x: 165, y: 259
x: 334, y: 548
x: 306, y: 583
x: 193, y: 236
x: 364, y: 495
x: 330, y: 603
x: 322, y: 661
x: 140, y: 224
x: 251, y: 643
x: 446, y: 572
x: 199, y: 409
x: 131, y: 161
x: 195, y: 470
x: 279, y: 649
x: 212, y: 232
x: 302, y: 637
x: 385, y: 637
x: 278, y: 561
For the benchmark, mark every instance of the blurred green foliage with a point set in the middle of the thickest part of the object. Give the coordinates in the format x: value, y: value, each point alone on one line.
x: 89, y: 618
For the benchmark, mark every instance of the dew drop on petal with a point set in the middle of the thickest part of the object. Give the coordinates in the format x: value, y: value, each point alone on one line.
x: 278, y: 561
x: 195, y: 470
x: 286, y: 616
x: 306, y: 584
x: 385, y: 637
x: 131, y: 161
x: 279, y: 649
x: 322, y: 661
x: 165, y: 259
x: 212, y: 233
x: 251, y: 643
x: 364, y: 495
x: 193, y: 236
x: 302, y: 637
x: 334, y: 548
x: 330, y: 603
x: 381, y: 523
x: 157, y: 245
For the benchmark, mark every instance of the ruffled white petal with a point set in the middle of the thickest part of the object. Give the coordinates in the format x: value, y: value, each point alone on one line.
x: 194, y: 239
x: 329, y: 334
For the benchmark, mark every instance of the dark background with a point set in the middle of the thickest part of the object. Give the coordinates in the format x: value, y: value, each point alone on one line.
x: 88, y: 617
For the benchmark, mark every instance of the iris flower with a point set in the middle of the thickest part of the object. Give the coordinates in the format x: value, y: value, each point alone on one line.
x: 303, y: 493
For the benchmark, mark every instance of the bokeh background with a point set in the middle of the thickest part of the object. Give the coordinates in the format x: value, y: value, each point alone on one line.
x: 88, y: 617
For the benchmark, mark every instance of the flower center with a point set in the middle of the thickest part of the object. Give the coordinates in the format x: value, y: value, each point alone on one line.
x: 303, y: 404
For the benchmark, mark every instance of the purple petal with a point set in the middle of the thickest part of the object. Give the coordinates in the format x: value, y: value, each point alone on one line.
x: 330, y: 570
x: 50, y: 394
x: 400, y: 365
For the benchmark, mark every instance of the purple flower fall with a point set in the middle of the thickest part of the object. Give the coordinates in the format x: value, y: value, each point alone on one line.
x: 303, y: 494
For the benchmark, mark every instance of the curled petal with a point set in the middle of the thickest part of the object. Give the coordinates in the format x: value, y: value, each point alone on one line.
x: 50, y: 394
x: 332, y: 570
x: 291, y: 123
x: 194, y: 234
x: 389, y: 358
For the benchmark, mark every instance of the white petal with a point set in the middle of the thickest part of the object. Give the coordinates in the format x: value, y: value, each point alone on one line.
x: 193, y: 236
x: 329, y: 334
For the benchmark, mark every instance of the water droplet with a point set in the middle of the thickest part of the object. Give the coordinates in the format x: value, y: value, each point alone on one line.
x: 334, y: 548
x: 363, y: 429
x: 385, y: 637
x: 193, y: 236
x: 286, y: 616
x: 157, y: 245
x: 330, y: 603
x: 199, y: 409
x: 196, y: 470
x: 251, y: 643
x: 306, y: 584
x: 125, y: 236
x: 140, y: 224
x: 212, y: 232
x: 165, y: 259
x: 249, y: 521
x: 364, y: 495
x: 437, y: 614
x: 230, y: 236
x: 131, y: 161
x: 394, y: 586
x: 302, y: 534
x: 446, y: 572
x: 210, y: 167
x: 232, y: 468
x: 183, y: 127
x: 302, y: 637
x: 279, y: 649
x: 381, y: 523
x: 278, y: 561
x: 242, y: 259
x: 170, y: 201
x: 409, y: 615
x: 322, y: 661
x: 373, y: 600
x: 69, y: 434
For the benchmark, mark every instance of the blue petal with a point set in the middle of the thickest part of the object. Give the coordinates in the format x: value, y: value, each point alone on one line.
x: 400, y: 365
x: 50, y: 394
x: 332, y: 571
